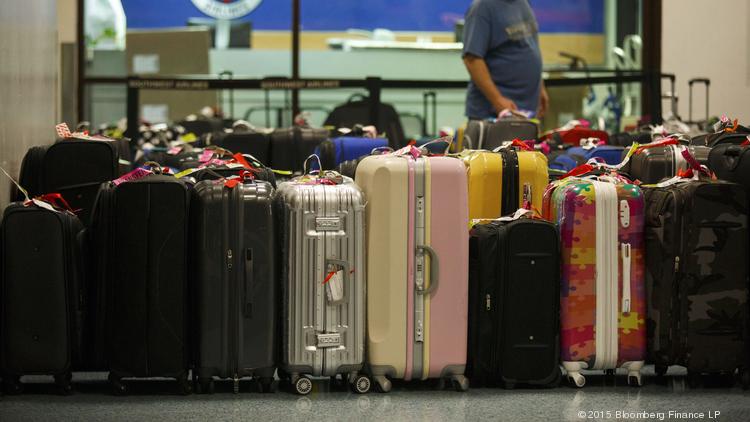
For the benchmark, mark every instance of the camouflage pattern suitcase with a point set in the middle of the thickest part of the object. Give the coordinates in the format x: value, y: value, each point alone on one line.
x: 697, y: 276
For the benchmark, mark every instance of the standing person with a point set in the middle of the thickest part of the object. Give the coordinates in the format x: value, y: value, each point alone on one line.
x: 501, y: 53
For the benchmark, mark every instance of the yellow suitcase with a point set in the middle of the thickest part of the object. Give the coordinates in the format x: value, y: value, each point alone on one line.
x: 500, y: 182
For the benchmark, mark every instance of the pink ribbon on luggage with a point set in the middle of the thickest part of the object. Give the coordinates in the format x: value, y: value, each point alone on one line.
x: 136, y: 174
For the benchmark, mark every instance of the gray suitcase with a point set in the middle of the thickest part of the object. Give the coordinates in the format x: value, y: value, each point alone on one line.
x: 323, y: 281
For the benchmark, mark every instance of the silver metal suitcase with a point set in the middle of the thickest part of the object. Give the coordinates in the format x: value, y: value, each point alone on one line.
x: 323, y: 280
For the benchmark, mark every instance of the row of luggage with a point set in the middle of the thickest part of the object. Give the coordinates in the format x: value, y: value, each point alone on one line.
x: 139, y: 313
x: 282, y: 149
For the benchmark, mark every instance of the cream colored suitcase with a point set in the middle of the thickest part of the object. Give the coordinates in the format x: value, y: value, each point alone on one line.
x: 417, y: 243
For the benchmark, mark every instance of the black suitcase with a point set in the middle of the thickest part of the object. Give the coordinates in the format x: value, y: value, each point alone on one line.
x: 141, y: 239
x: 652, y: 165
x: 257, y: 144
x: 234, y: 275
x: 356, y: 111
x: 481, y: 134
x: 715, y: 139
x: 290, y: 147
x: 72, y: 167
x: 514, y: 303
x: 697, y: 277
x: 202, y: 125
x: 731, y: 163
x: 626, y: 139
x: 42, y: 295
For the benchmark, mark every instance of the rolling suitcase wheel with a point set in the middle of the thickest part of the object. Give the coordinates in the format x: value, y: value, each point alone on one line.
x: 303, y: 385
x: 63, y: 382
x: 118, y: 386
x: 184, y: 387
x: 635, y: 380
x: 577, y: 379
x: 361, y: 384
x: 460, y: 383
x: 745, y: 378
x: 12, y: 385
x: 382, y: 384
x: 661, y: 370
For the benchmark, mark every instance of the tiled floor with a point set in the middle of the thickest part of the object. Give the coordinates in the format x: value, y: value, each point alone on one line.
x: 152, y: 400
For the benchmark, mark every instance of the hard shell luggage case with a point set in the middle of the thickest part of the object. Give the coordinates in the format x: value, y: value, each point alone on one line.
x: 257, y: 144
x: 72, y: 167
x: 651, y: 165
x: 335, y: 151
x: 499, y: 183
x: 417, y: 221
x: 141, y: 241
x: 514, y: 303
x: 483, y: 134
x: 603, y: 302
x: 323, y: 281
x: 563, y: 161
x: 697, y: 277
x: 234, y: 273
x: 290, y: 147
x: 41, y: 295
x: 608, y: 154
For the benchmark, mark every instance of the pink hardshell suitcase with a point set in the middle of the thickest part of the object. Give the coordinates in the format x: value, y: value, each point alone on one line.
x: 417, y: 219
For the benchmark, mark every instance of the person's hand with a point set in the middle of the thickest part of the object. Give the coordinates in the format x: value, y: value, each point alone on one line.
x: 543, y: 103
x: 505, y: 104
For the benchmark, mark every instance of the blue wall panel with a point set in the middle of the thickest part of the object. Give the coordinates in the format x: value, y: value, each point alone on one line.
x: 554, y: 16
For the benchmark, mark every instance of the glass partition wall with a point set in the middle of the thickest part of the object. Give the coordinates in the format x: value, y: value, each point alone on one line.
x: 341, y: 39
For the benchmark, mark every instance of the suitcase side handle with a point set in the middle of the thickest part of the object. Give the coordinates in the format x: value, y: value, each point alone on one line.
x: 434, y: 269
x: 345, y: 282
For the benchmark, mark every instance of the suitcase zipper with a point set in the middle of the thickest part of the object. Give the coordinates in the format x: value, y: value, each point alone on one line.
x: 233, y: 311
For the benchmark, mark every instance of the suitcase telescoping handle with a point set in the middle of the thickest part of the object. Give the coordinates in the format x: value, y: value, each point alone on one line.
x: 344, y: 283
x: 434, y: 269
x: 703, y: 81
x: 249, y: 274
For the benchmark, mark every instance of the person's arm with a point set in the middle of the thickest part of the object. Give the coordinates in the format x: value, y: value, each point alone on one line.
x: 480, y: 74
x: 543, y: 101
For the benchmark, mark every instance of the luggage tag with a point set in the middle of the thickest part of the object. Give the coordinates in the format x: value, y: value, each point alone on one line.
x: 136, y: 174
x: 174, y: 150
x: 590, y: 143
x: 334, y: 283
x: 206, y: 156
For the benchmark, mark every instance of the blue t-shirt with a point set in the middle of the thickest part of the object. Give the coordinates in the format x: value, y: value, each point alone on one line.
x: 505, y: 34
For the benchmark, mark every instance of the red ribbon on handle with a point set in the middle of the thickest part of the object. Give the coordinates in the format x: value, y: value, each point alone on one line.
x: 57, y: 201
